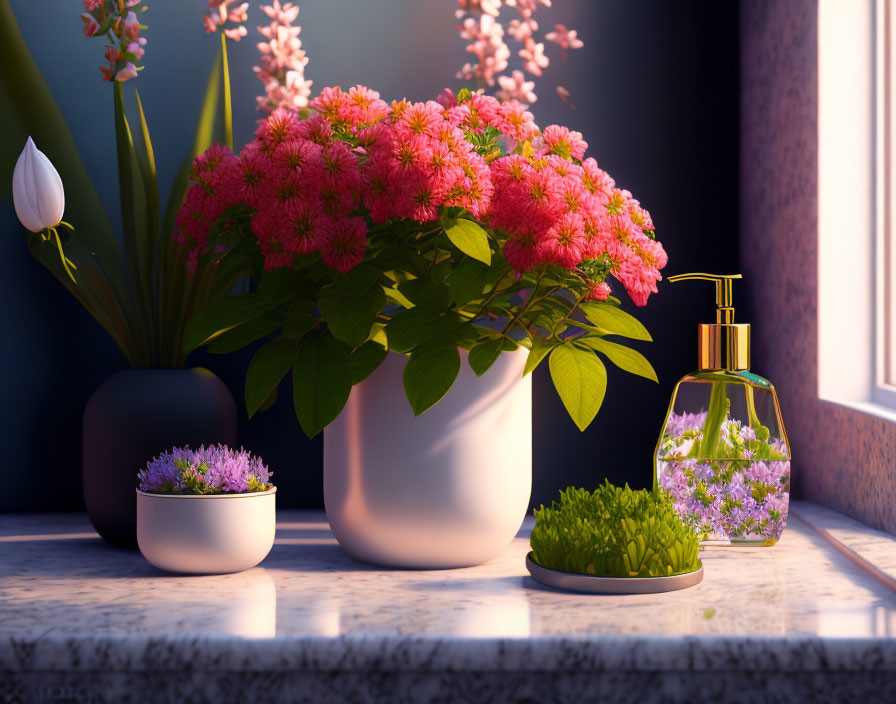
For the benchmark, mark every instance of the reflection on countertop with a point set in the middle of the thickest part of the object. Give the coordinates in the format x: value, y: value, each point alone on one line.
x: 76, y: 605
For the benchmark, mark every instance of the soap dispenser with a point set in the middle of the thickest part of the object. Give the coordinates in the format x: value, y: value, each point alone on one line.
x: 723, y: 455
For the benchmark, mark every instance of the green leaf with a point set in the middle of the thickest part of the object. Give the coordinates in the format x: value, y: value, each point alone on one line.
x: 243, y: 335
x: 223, y: 314
x: 539, y: 351
x: 321, y: 383
x: 581, y: 381
x: 430, y: 373
x: 623, y: 357
x: 359, y: 279
x: 615, y: 321
x: 348, y: 314
x: 484, y: 354
x: 296, y: 326
x: 409, y: 328
x: 468, y: 237
x: 138, y: 240
x: 426, y: 294
x: 468, y: 280
x: 364, y: 360
x: 280, y: 285
x: 266, y: 371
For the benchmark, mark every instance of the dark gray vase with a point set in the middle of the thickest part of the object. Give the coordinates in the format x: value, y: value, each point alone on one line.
x: 133, y: 416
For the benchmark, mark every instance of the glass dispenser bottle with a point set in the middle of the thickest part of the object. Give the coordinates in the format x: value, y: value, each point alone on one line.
x: 723, y: 454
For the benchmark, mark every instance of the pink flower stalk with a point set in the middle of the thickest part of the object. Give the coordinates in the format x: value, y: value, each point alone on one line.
x: 283, y: 61
x: 487, y: 45
x: 114, y: 20
x: 307, y: 181
x: 482, y: 27
x: 220, y: 13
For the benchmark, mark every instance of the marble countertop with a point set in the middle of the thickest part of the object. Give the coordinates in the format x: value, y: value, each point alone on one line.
x: 74, y: 611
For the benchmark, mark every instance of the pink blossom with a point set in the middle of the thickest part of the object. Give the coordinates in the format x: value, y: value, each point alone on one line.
x: 344, y: 242
x: 533, y: 55
x: 545, y: 201
x: 136, y: 48
x: 565, y: 96
x: 127, y: 72
x: 90, y: 25
x: 564, y: 142
x: 282, y: 61
x: 516, y: 87
x: 220, y: 13
x: 522, y: 29
x: 125, y: 45
x: 489, y: 7
x: 564, y: 38
x: 487, y: 45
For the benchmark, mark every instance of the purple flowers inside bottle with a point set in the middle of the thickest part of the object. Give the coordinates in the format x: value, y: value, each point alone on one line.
x: 741, y: 494
x: 209, y: 470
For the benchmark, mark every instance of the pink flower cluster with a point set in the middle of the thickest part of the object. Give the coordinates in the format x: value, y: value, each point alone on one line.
x: 115, y: 20
x: 283, y: 61
x: 480, y: 24
x: 562, y: 210
x: 220, y: 13
x: 303, y: 178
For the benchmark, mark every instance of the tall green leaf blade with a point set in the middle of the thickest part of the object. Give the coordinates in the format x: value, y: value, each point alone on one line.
x: 171, y: 301
x: 468, y: 237
x: 615, y: 321
x: 266, y: 370
x: 137, y: 246
x: 242, y: 335
x: 150, y: 180
x: 625, y: 358
x: 322, y: 381
x: 223, y: 314
x: 430, y: 373
x: 581, y: 381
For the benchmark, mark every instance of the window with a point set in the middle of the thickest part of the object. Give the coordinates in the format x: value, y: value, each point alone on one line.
x: 857, y: 204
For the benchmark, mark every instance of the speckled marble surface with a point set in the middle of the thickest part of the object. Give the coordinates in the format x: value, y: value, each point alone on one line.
x: 83, y: 622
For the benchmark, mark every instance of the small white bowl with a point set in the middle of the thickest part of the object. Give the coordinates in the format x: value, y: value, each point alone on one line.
x: 592, y: 584
x: 206, y: 534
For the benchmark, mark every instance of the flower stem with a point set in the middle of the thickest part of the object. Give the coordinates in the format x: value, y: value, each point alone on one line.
x: 712, y: 427
x: 228, y: 110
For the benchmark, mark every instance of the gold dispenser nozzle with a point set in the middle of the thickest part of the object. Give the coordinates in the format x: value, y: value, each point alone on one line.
x: 723, y: 344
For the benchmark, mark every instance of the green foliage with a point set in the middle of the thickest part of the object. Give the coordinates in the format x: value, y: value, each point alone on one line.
x: 615, y: 321
x: 430, y: 372
x: 321, y: 382
x: 468, y: 236
x: 142, y: 296
x: 614, y: 532
x: 581, y: 380
x: 266, y: 371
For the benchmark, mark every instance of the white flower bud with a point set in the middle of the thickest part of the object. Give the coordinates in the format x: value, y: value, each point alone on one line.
x: 37, y: 190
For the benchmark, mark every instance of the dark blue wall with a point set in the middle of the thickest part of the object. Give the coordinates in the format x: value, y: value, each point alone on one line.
x: 656, y: 94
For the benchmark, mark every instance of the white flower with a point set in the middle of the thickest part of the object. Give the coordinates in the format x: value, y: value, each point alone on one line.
x: 37, y: 190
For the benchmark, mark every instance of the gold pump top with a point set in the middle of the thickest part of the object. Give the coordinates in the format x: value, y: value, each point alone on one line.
x: 723, y: 345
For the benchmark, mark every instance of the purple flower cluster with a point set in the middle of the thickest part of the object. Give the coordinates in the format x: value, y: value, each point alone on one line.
x: 209, y: 470
x: 743, y: 497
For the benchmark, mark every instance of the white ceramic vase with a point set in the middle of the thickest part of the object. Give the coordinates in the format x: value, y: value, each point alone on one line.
x: 447, y: 489
x: 206, y: 534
